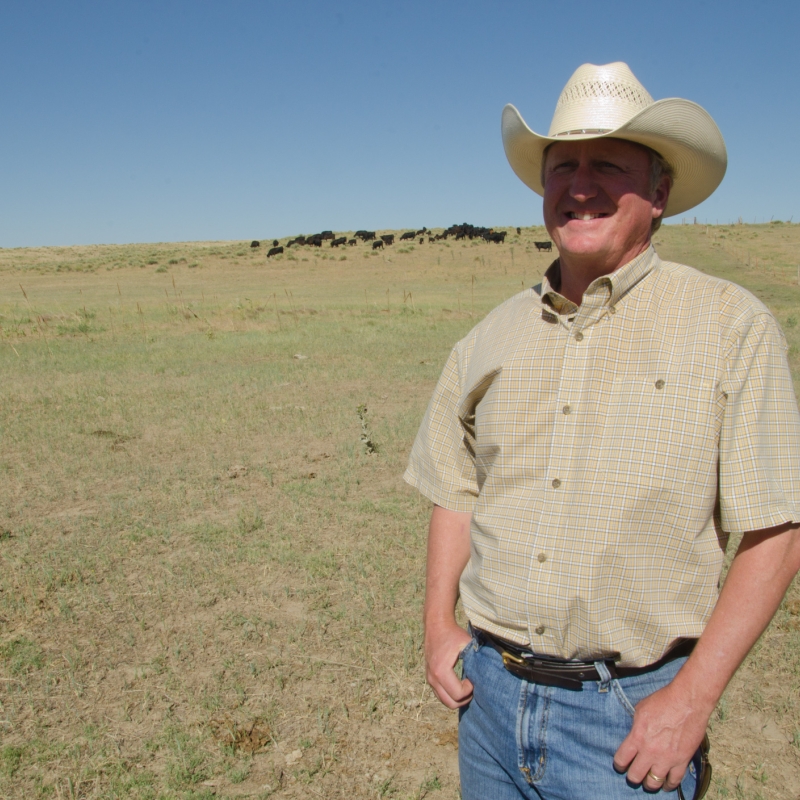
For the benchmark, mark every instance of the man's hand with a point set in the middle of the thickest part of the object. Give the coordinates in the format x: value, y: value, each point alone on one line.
x: 448, y: 554
x: 669, y: 725
x: 442, y: 647
x: 665, y: 735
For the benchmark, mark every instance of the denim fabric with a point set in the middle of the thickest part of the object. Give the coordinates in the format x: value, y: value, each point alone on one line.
x: 524, y: 740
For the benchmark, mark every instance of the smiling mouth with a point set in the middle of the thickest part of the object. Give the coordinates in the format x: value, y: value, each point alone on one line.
x: 585, y: 217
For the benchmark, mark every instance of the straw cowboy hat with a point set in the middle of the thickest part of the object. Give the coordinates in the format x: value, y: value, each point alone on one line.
x: 609, y: 102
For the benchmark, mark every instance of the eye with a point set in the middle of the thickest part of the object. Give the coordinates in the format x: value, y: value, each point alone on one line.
x: 560, y: 167
x: 609, y: 167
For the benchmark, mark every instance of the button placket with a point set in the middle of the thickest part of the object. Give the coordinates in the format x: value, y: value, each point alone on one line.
x: 565, y: 424
x: 573, y: 364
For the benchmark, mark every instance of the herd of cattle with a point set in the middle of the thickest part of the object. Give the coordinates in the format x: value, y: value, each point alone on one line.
x: 463, y: 231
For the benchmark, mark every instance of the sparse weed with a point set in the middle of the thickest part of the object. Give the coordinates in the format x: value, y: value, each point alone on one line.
x: 10, y: 759
x: 22, y: 656
x: 250, y: 519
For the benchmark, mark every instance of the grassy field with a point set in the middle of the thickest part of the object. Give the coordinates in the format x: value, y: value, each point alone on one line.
x: 211, y: 571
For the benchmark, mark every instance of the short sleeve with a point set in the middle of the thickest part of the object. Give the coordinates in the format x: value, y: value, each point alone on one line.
x: 441, y: 466
x: 759, y: 468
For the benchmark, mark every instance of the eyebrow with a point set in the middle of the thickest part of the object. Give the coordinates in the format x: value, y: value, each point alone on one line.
x: 598, y: 161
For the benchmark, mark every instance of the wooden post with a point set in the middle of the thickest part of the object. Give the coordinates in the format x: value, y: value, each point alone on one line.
x: 141, y: 319
x: 277, y: 315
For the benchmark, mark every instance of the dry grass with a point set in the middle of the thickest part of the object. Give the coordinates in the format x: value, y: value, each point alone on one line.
x: 209, y: 586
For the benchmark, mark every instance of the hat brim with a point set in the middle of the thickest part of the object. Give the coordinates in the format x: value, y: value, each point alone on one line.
x: 681, y: 131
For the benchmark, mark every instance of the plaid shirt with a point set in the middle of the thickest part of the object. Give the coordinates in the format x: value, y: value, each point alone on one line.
x: 606, y: 451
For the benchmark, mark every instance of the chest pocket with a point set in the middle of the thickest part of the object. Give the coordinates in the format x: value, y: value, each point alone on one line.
x: 659, y: 431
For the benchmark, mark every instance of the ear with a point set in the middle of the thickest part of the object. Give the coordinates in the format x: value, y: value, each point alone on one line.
x: 661, y: 195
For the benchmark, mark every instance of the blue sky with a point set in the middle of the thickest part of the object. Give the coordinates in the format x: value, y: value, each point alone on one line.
x: 195, y: 120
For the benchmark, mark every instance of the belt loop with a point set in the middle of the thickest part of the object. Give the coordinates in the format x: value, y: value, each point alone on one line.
x: 605, y: 675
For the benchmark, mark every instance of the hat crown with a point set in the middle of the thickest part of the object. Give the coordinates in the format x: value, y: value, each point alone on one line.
x: 598, y: 99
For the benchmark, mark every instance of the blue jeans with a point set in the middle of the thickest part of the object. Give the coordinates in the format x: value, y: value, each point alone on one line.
x: 525, y: 740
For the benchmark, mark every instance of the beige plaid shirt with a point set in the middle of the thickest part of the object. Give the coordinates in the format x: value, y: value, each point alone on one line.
x: 606, y: 451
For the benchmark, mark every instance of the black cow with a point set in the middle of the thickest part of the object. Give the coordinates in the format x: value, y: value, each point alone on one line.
x: 548, y: 246
x: 518, y: 231
x: 275, y: 243
x: 387, y: 238
x: 377, y: 243
x: 340, y: 240
x: 255, y: 243
x: 498, y: 237
x: 315, y: 240
x: 352, y: 242
x: 327, y: 235
x: 408, y: 235
x: 274, y: 251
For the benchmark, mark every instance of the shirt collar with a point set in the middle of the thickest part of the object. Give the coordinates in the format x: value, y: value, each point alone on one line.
x: 615, y: 286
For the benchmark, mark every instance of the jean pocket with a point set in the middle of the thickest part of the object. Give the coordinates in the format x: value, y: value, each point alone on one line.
x: 468, y: 649
x: 638, y: 688
x: 624, y: 700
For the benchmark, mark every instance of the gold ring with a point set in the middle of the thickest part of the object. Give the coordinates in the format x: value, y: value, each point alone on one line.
x: 654, y: 777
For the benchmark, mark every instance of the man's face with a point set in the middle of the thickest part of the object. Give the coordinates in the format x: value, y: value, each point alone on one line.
x: 598, y: 207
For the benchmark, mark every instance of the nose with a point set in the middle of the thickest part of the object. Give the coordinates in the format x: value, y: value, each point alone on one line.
x: 582, y: 185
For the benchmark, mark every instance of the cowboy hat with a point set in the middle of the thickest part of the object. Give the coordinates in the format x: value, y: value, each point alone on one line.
x: 609, y: 102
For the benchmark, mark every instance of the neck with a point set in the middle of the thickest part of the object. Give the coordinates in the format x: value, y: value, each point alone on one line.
x: 578, y: 273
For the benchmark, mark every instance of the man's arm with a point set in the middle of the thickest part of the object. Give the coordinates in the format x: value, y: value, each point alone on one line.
x: 669, y: 724
x: 448, y: 554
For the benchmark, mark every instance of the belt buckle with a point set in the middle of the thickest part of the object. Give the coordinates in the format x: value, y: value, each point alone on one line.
x: 510, y: 658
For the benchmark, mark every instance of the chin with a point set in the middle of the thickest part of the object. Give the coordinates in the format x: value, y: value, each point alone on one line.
x: 583, y: 245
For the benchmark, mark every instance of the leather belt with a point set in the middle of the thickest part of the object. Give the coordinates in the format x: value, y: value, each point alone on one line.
x: 525, y: 664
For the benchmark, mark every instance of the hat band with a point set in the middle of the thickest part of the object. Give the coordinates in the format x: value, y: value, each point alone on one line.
x: 583, y: 130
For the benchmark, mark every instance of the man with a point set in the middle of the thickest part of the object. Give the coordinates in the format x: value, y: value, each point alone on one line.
x: 589, y: 448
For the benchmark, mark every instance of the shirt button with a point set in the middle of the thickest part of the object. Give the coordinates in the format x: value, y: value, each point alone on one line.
x: 659, y: 384
x: 556, y: 483
x: 566, y: 409
x: 540, y: 630
x: 578, y: 337
x: 542, y: 558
